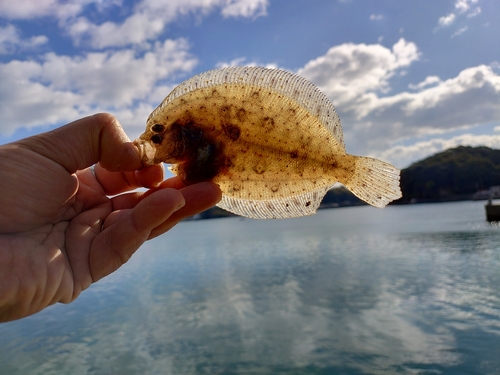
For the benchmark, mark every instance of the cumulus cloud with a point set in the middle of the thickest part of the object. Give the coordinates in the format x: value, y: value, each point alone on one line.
x: 243, y: 61
x: 462, y: 7
x: 476, y: 12
x: 136, y: 29
x: 459, y: 32
x: 29, y: 9
x: 147, y: 21
x: 462, y: 102
x: 476, y: 88
x: 446, y: 20
x: 86, y: 75
x: 245, y: 8
x: 150, y: 18
x: 352, y: 74
x: 357, y: 79
x: 61, y: 88
x: 11, y: 41
x: 428, y: 81
x: 402, y: 156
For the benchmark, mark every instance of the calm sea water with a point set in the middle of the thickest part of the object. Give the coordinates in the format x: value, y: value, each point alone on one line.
x: 405, y: 290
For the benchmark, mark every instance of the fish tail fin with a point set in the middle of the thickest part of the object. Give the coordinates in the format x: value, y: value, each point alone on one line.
x: 374, y: 181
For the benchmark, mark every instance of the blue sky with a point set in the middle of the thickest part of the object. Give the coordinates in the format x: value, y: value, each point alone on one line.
x: 408, y: 78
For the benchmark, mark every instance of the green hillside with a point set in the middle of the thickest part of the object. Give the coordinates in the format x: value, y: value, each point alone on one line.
x: 453, y: 174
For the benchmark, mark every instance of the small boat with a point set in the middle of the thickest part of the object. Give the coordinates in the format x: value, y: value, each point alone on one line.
x: 492, y: 211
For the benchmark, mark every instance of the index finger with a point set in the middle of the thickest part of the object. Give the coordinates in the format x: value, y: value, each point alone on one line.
x: 118, y: 182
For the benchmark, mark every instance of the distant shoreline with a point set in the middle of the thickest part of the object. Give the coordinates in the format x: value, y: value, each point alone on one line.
x: 216, y: 212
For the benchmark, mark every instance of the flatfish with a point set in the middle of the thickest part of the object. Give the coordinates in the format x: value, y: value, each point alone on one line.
x: 269, y: 138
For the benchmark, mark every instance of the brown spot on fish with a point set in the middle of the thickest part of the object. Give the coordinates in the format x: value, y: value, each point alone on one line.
x: 267, y: 123
x: 241, y: 114
x: 232, y: 131
x: 259, y: 168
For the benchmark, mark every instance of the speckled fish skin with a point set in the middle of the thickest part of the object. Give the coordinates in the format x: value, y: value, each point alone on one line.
x: 269, y: 138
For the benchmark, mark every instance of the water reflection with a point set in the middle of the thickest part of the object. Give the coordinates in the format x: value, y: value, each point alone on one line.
x: 352, y: 291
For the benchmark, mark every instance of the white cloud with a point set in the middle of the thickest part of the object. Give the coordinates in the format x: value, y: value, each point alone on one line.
x: 26, y: 9
x: 150, y: 18
x: 245, y: 8
x: 243, y: 61
x: 350, y: 74
x: 9, y: 37
x: 61, y: 88
x: 474, y: 13
x: 25, y: 102
x: 462, y: 102
x: 126, y: 76
x: 147, y: 21
x: 357, y: 79
x: 459, y: 31
x: 60, y: 9
x: 376, y: 17
x: 11, y: 41
x: 463, y: 7
x: 29, y: 9
x: 428, y: 81
x: 403, y: 156
x: 136, y: 29
x: 446, y: 20
x: 477, y: 80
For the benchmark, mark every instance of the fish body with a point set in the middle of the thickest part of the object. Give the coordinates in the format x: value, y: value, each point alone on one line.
x: 269, y: 138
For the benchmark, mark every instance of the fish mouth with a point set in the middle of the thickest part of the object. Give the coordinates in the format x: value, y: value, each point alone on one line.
x: 146, y: 151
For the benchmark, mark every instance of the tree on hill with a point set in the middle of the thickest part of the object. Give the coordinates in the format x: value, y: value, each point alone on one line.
x: 452, y: 174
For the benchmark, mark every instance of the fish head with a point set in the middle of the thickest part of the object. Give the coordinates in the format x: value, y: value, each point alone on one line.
x: 192, y: 150
x: 169, y: 143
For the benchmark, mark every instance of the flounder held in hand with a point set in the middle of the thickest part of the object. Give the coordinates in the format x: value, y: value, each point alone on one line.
x: 269, y: 138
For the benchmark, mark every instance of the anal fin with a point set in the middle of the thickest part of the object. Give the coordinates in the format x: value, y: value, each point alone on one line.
x: 279, y: 208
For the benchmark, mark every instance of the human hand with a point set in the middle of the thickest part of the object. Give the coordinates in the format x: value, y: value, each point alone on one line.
x: 60, y: 230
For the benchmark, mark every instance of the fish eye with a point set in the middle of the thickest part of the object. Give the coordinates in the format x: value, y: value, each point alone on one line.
x: 156, y: 139
x: 157, y: 128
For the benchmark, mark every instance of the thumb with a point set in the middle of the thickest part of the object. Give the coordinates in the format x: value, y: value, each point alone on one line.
x: 82, y: 143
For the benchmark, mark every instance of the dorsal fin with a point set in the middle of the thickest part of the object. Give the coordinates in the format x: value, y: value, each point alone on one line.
x: 289, y: 84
